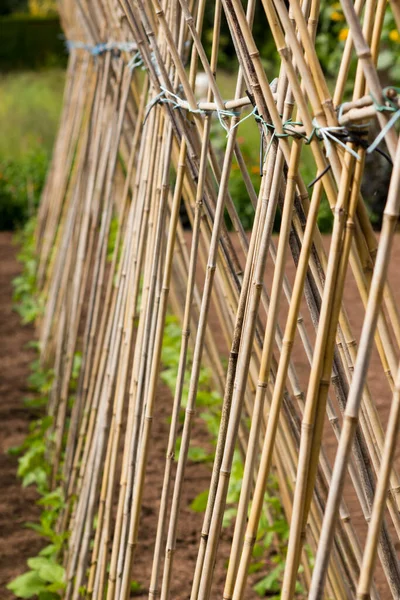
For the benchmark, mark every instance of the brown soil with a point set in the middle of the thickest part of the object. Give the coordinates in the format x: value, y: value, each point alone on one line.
x: 197, y: 479
x: 17, y: 505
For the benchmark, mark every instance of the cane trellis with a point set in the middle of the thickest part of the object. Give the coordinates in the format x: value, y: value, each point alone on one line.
x: 136, y: 141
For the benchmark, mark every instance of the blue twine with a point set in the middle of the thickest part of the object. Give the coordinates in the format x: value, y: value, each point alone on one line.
x: 135, y: 62
x: 178, y: 102
x: 152, y: 104
x: 155, y: 63
x: 270, y: 127
x: 81, y: 45
x: 390, y: 107
x: 97, y: 49
x: 384, y: 107
x: 222, y: 112
x: 326, y: 134
x: 384, y: 131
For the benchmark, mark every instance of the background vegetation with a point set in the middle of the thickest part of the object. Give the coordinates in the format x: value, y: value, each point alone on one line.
x: 31, y: 42
x: 29, y: 110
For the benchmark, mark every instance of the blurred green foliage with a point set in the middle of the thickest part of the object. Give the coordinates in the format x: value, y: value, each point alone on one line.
x: 30, y: 104
x: 330, y: 40
x: 332, y: 34
x: 8, y: 7
x: 29, y: 42
x: 227, y: 56
x: 20, y: 185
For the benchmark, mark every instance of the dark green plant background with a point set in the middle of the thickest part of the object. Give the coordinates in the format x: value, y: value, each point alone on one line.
x: 31, y: 43
x: 30, y: 104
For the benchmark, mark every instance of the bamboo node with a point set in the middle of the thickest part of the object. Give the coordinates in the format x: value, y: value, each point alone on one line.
x: 262, y: 384
x: 225, y: 473
x: 250, y: 540
x: 307, y: 426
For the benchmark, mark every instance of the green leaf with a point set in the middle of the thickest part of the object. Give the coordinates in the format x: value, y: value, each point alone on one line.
x: 48, y: 550
x: 55, y: 587
x: 211, y: 422
x: 255, y: 567
x: 258, y: 551
x: 385, y: 60
x: 46, y: 595
x: 76, y: 367
x: 27, y: 585
x: 270, y: 583
x: 54, y: 499
x: 395, y: 72
x: 15, y: 450
x: 136, y: 587
x: 37, y: 562
x: 37, y: 476
x: 36, y: 401
x: 197, y: 454
x: 47, y: 569
x: 53, y: 573
x: 229, y: 515
x: 199, y: 504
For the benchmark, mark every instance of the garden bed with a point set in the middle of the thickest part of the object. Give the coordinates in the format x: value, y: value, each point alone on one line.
x: 17, y: 505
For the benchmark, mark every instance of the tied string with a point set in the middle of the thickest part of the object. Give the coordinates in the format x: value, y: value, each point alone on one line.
x: 339, y: 135
x: 221, y: 112
x: 98, y: 49
x: 168, y: 97
x: 266, y: 127
x: 330, y: 135
x: 156, y: 100
x: 384, y: 131
x: 390, y: 97
x: 135, y: 62
x: 177, y: 102
x: 287, y: 129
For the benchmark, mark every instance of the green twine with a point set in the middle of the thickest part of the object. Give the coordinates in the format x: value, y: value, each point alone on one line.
x: 328, y: 135
x: 384, y: 131
x: 390, y: 107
